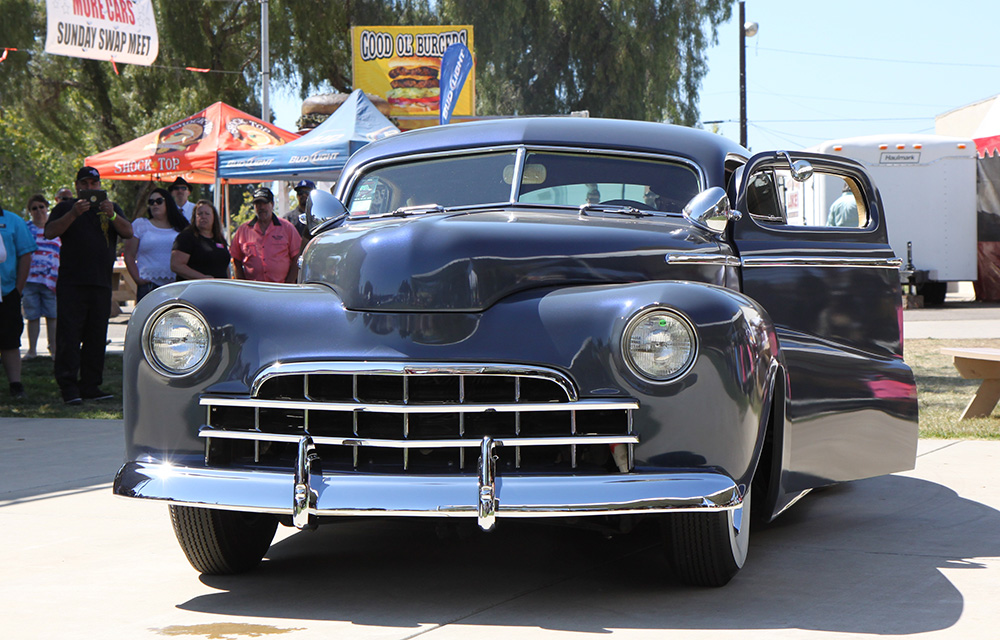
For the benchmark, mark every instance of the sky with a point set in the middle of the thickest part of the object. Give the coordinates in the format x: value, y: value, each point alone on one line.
x: 838, y: 68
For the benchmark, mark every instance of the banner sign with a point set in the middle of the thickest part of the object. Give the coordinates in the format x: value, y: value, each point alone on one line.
x: 455, y: 67
x: 403, y: 65
x: 110, y: 30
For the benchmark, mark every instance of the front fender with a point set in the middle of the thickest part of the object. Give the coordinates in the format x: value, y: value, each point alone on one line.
x: 712, y: 418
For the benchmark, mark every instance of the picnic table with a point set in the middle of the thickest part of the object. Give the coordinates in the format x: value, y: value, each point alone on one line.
x: 123, y: 287
x: 979, y: 363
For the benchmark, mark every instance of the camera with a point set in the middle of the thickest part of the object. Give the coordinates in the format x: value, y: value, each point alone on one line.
x: 94, y: 196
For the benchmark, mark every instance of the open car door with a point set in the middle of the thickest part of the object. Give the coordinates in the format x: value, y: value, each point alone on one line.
x: 814, y: 252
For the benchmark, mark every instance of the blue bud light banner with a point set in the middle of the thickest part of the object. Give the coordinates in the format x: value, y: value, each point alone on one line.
x: 456, y: 63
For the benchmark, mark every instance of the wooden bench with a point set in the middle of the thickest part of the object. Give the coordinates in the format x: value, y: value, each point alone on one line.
x: 979, y: 363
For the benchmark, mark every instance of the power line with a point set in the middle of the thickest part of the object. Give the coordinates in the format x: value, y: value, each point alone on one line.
x: 895, y: 61
x: 755, y: 120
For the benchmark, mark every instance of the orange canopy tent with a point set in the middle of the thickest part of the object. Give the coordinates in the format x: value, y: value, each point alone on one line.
x: 189, y: 148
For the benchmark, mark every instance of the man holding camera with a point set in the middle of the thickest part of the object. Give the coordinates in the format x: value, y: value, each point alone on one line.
x: 90, y: 228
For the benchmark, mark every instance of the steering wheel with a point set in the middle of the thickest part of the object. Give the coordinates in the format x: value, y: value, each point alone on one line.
x: 626, y: 203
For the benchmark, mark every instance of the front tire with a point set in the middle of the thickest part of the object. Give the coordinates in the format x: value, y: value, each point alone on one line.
x: 220, y: 542
x: 708, y: 549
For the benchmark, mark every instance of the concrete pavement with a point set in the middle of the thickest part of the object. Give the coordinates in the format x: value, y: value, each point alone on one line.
x: 916, y: 553
x: 907, y: 554
x: 953, y: 321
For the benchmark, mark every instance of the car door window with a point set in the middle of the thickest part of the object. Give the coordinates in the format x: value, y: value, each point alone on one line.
x: 825, y: 200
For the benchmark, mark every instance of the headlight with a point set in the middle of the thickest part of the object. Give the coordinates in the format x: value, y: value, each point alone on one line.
x: 660, y: 345
x: 176, y: 341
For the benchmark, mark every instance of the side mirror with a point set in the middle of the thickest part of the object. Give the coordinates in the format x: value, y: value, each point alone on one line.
x: 801, y: 169
x: 710, y: 210
x: 323, y: 209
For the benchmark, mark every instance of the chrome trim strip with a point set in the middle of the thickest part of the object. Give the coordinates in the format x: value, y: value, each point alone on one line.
x: 452, y: 496
x: 706, y: 259
x: 515, y: 185
x: 411, y: 369
x: 314, y: 405
x: 451, y: 443
x: 800, y: 261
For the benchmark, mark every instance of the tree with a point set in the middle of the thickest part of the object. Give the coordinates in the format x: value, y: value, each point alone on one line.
x: 639, y: 59
x: 76, y: 107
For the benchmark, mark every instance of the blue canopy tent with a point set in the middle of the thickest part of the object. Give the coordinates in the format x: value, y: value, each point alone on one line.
x: 317, y: 155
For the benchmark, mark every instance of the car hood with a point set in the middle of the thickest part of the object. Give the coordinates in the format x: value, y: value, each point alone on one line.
x: 467, y: 261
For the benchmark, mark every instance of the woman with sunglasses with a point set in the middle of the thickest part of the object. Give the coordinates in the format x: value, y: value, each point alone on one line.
x: 200, y: 251
x: 38, y: 300
x: 147, y: 252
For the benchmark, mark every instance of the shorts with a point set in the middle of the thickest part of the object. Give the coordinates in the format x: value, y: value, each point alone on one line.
x: 38, y: 301
x: 11, y: 323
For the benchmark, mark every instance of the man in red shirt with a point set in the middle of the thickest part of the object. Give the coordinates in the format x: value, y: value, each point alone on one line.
x: 266, y: 248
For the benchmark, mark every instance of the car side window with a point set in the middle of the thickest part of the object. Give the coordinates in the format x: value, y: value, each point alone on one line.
x: 763, y: 201
x: 824, y: 200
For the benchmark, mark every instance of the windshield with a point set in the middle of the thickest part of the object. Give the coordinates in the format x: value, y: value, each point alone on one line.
x: 547, y: 178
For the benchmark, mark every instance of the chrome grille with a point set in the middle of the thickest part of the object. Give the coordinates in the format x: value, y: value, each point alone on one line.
x: 428, y: 418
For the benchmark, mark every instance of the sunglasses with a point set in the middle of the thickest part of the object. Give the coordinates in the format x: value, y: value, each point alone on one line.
x: 65, y: 198
x: 39, y: 207
x: 156, y: 201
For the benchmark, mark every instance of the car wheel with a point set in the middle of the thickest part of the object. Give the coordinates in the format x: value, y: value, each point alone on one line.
x: 708, y: 549
x: 222, y: 542
x: 933, y: 292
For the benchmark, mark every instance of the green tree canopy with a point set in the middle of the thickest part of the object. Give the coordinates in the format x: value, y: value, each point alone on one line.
x: 641, y: 59
x: 73, y: 107
x: 637, y: 59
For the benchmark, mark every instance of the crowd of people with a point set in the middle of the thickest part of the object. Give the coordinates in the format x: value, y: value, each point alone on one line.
x: 59, y: 265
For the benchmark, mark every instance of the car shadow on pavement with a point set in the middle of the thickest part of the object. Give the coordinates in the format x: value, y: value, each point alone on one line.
x: 864, y: 557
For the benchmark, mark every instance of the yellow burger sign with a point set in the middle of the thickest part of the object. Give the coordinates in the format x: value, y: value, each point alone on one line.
x: 403, y: 65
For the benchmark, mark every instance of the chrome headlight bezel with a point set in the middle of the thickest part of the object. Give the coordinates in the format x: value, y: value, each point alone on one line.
x: 674, y: 316
x: 154, y: 320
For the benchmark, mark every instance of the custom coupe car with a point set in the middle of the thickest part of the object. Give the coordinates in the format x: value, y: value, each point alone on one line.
x: 579, y: 319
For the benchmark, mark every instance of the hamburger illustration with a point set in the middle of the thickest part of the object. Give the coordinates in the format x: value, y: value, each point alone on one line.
x: 415, y: 85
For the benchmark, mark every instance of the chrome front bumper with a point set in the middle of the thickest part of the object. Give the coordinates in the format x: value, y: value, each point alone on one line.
x: 305, y: 495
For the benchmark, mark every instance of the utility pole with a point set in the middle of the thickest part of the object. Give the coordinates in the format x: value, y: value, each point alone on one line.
x: 747, y: 29
x: 265, y: 62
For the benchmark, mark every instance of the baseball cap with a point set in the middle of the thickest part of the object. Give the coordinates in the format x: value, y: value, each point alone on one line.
x: 87, y: 172
x: 305, y: 184
x: 263, y: 194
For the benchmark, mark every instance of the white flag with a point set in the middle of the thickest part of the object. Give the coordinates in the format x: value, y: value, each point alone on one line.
x: 112, y: 30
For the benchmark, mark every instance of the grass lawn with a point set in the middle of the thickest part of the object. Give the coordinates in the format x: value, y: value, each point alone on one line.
x: 44, y: 400
x: 942, y: 394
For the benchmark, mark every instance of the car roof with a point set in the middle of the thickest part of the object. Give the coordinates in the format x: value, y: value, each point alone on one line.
x: 706, y: 149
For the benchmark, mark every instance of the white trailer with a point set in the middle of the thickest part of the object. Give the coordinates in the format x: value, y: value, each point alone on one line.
x: 928, y: 189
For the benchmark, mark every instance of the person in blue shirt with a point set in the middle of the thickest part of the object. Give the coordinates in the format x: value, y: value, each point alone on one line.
x: 19, y: 244
x: 844, y: 210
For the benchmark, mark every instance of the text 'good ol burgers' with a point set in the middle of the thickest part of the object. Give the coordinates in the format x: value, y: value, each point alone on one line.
x: 414, y: 83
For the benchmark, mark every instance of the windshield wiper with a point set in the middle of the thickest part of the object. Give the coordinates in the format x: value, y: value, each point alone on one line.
x: 613, y: 208
x: 417, y: 209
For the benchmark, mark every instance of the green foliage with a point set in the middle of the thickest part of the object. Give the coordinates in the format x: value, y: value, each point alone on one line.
x: 638, y: 59
x: 28, y: 165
